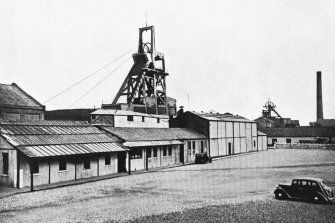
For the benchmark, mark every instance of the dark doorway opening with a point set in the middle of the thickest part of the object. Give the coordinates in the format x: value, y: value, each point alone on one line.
x: 121, y: 162
x: 148, y: 155
x: 229, y: 148
x: 181, y: 153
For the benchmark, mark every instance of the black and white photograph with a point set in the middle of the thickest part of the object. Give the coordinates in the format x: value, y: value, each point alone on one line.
x: 167, y: 111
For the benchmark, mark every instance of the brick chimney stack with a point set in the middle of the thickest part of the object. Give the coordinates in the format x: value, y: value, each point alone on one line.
x: 319, y: 108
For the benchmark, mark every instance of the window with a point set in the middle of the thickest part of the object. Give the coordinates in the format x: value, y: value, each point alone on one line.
x: 136, y: 154
x: 158, y: 120
x: 288, y: 140
x: 295, y: 182
x: 93, y: 116
x: 170, y: 150
x: 274, y: 141
x: 254, y: 143
x: 149, y: 152
x: 155, y: 152
x: 87, y: 163
x: 35, y: 167
x: 5, y: 163
x: 143, y: 119
x: 164, y: 151
x: 62, y: 164
x: 193, y: 147
x: 107, y: 159
x: 130, y: 118
x: 303, y: 183
x: 189, y: 147
x: 202, y: 146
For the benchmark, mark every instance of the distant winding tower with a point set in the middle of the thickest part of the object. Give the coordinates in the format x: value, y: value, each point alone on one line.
x: 319, y: 108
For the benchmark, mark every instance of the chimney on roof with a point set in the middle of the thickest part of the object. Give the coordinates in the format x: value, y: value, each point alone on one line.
x: 319, y: 108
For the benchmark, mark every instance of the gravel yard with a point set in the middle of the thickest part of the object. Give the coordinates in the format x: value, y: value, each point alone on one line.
x: 234, y: 189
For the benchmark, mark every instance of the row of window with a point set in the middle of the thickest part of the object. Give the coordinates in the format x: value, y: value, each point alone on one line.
x: 130, y: 118
x: 151, y: 152
x: 63, y: 163
x: 288, y: 140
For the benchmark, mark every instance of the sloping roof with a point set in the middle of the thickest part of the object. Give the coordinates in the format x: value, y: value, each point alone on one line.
x: 215, y: 116
x: 153, y: 134
x: 152, y: 143
x: 259, y: 133
x: 304, y: 131
x: 56, y: 138
x: 13, y: 96
x: 125, y: 113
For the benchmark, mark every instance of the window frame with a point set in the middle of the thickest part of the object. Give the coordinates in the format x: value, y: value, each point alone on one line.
x: 164, y: 150
x: 5, y: 163
x: 87, y: 161
x: 170, y: 150
x: 108, y: 158
x: 193, y: 146
x: 61, y: 163
x: 154, y: 152
x: 136, y: 154
x: 35, y: 167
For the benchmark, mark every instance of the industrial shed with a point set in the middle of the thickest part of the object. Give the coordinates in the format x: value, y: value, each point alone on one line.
x: 16, y: 104
x: 46, y: 152
x: 262, y: 140
x: 227, y: 134
x: 126, y: 118
x: 159, y: 147
x: 304, y: 134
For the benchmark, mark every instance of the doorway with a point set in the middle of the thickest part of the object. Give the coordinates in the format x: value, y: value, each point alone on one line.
x: 229, y: 148
x: 181, y: 154
x: 121, y: 162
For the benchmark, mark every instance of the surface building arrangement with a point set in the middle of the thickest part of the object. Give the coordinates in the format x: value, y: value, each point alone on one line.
x: 138, y: 134
x: 280, y: 131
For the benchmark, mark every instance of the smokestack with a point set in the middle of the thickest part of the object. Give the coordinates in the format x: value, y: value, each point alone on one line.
x: 319, y: 108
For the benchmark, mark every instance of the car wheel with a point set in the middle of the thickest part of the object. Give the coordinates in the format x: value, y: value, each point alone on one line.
x: 279, y: 195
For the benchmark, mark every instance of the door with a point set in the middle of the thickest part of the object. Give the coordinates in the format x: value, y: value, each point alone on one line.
x: 148, y: 155
x: 121, y: 162
x: 229, y: 148
x: 181, y: 154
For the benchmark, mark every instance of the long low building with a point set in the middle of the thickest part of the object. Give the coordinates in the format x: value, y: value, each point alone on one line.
x: 45, y: 152
x: 159, y: 147
x: 303, y: 134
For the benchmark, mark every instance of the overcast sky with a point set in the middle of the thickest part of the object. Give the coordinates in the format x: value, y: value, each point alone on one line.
x: 228, y: 56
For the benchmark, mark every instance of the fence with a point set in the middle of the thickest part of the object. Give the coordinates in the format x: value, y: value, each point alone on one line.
x: 304, y: 146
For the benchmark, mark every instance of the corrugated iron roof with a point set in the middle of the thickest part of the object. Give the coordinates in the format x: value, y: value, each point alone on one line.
x: 125, y: 113
x: 64, y: 150
x: 214, y: 116
x: 57, y: 138
x: 144, y: 134
x: 13, y: 95
x: 152, y: 143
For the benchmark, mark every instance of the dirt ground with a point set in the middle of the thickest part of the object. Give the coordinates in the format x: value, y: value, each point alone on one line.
x: 231, y: 189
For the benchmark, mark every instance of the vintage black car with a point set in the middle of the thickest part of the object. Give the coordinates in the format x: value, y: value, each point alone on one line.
x: 310, y: 189
x: 202, y: 158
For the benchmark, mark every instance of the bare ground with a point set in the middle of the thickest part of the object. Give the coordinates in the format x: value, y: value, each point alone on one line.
x: 235, y: 189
